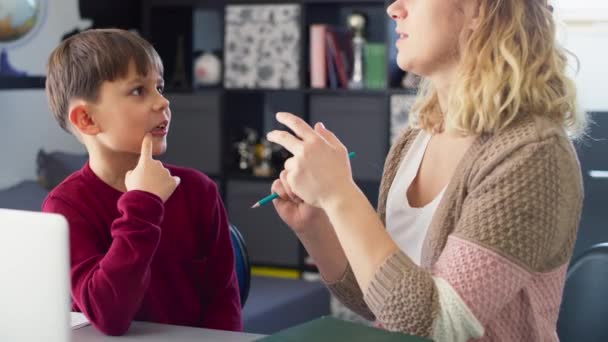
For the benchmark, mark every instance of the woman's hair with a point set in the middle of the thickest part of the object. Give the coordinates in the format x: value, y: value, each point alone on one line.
x: 510, y: 65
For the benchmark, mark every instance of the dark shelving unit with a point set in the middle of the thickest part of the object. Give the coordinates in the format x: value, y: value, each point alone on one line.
x: 207, y: 122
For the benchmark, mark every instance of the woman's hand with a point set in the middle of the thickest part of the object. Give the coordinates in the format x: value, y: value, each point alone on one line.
x: 319, y: 171
x: 299, y: 216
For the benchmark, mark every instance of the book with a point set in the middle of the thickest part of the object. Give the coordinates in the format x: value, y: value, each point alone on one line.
x: 344, y: 42
x: 332, y: 73
x: 333, y: 329
x: 339, y: 57
x: 374, y: 59
x: 318, y: 68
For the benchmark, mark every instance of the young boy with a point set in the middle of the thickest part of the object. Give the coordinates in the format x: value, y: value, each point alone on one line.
x: 149, y: 241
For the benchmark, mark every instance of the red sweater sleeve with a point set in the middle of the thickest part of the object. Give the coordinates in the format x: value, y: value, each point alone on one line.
x: 223, y: 307
x: 108, y: 287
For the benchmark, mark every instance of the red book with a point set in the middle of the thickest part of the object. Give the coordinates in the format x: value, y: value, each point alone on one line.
x: 339, y: 60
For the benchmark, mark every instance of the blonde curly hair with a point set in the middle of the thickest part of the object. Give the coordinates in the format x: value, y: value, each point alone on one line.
x: 510, y: 65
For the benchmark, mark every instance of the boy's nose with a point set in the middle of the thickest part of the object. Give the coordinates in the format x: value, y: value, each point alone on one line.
x: 396, y: 10
x: 162, y: 103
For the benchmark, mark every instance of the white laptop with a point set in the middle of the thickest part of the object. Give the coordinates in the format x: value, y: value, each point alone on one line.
x: 34, y: 277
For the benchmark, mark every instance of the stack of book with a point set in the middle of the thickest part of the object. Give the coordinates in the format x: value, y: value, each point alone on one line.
x: 331, y: 59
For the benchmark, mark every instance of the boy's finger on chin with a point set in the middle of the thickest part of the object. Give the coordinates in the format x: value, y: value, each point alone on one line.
x: 147, y: 147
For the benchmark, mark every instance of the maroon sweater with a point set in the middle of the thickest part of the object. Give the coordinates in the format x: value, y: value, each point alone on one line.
x: 133, y: 258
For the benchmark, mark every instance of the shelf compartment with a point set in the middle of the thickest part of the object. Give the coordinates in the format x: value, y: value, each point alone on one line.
x: 269, y: 240
x: 194, y: 138
x: 361, y: 123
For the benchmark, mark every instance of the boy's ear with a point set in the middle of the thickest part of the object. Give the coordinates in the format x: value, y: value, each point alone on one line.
x: 81, y: 119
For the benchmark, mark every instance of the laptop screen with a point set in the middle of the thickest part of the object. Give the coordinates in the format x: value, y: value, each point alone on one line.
x: 34, y: 277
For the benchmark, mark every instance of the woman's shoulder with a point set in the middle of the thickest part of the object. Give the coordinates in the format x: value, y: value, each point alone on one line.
x: 529, y: 133
x: 525, y: 189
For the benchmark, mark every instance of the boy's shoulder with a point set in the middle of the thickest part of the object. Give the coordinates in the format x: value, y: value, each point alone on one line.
x: 72, y: 184
x: 73, y: 190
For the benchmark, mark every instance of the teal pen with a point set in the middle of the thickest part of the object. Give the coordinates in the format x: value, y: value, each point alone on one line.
x: 274, y: 195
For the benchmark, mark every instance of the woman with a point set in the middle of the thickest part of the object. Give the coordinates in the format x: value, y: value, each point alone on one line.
x: 480, y: 199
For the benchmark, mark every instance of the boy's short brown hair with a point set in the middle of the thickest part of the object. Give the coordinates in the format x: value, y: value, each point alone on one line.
x: 80, y: 64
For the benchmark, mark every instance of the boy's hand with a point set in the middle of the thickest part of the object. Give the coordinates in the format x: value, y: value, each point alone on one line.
x: 150, y: 175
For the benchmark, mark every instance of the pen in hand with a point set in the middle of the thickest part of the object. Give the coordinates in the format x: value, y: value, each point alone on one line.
x: 274, y: 195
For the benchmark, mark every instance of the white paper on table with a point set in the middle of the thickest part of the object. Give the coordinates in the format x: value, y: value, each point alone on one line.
x: 78, y: 320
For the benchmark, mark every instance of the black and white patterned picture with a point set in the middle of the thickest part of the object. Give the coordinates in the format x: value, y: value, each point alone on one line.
x: 400, y: 109
x: 262, y: 46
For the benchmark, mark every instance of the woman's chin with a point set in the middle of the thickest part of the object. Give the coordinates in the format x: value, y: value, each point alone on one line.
x: 405, y: 64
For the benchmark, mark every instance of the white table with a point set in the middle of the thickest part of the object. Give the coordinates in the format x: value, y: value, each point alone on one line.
x: 153, y: 332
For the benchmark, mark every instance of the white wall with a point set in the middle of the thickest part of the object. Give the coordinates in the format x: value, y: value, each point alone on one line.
x: 60, y: 17
x: 590, y: 45
x: 27, y: 125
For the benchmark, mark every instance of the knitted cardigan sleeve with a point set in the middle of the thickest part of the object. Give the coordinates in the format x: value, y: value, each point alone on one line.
x: 513, y: 222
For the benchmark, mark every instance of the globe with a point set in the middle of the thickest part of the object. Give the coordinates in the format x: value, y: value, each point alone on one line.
x: 18, y: 18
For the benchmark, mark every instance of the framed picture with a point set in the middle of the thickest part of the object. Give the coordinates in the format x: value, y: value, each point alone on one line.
x: 262, y: 46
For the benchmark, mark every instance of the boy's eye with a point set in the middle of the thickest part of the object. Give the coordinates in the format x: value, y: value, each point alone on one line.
x: 160, y: 88
x: 137, y: 91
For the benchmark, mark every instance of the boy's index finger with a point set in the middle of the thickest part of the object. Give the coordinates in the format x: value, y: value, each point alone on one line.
x: 146, y: 147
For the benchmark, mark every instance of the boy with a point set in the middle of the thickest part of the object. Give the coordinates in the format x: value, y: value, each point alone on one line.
x: 149, y: 241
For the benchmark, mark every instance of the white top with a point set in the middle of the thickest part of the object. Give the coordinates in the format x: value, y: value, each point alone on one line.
x: 407, y: 226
